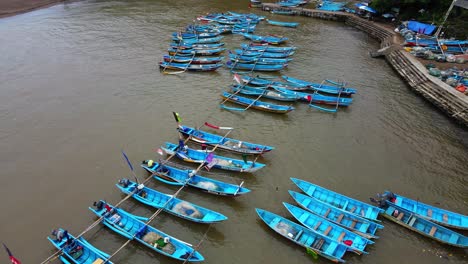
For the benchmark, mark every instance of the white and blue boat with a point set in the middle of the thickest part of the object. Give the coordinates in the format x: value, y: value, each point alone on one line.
x: 220, y: 162
x: 132, y: 228
x: 324, y: 227
x: 169, y: 203
x: 76, y: 250
x: 320, y: 86
x: 265, y: 92
x: 304, y: 237
x: 177, y: 177
x: 338, y: 200
x: 255, y: 104
x: 258, y: 60
x: 255, y: 66
x: 315, y: 97
x: 359, y: 225
x: 189, y: 66
x: 273, y: 40
x: 268, y: 48
x: 282, y: 24
x: 199, y: 40
x: 262, y: 54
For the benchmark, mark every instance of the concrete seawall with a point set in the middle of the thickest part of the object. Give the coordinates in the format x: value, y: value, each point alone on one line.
x: 440, y: 94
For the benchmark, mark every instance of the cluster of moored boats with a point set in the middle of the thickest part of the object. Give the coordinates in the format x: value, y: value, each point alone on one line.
x: 137, y: 228
x: 332, y: 224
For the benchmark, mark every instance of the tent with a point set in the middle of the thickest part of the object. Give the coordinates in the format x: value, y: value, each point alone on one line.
x: 421, y: 28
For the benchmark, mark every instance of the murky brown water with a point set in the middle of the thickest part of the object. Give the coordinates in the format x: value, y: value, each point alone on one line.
x: 79, y: 82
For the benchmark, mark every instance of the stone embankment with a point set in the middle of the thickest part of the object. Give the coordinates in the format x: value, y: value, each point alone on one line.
x: 440, y: 94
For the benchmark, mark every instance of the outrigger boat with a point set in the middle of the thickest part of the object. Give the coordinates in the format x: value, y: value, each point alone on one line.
x: 198, y: 41
x: 191, y: 52
x: 182, y: 45
x: 316, y: 97
x: 429, y: 212
x: 264, y: 92
x: 258, y: 60
x: 268, y: 48
x: 255, y: 66
x: 273, y: 40
x: 202, y: 156
x: 255, y: 104
x: 338, y: 200
x: 282, y: 24
x: 357, y: 224
x: 198, y: 35
x: 262, y: 54
x: 421, y: 225
x: 284, y: 12
x: 322, y: 226
x: 321, y: 245
x: 194, y: 60
x: 178, y: 177
x: 274, y: 84
x: 76, y: 250
x: 189, y: 66
x: 230, y: 144
x: 131, y: 227
x: 321, y: 87
x: 169, y: 203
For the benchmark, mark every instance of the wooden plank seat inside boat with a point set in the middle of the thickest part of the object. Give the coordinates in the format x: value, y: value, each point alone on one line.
x: 318, y: 244
x: 445, y: 218
x: 340, y: 238
x: 317, y: 225
x: 353, y: 224
x: 433, y: 230
x: 340, y: 218
x: 400, y: 216
x: 352, y: 209
x: 327, y: 231
x: 412, y: 220
x: 327, y: 212
x: 429, y: 213
x: 98, y: 261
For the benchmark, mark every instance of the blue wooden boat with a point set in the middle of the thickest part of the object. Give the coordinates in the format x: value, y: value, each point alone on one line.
x: 282, y: 24
x: 316, y: 97
x: 196, y: 46
x: 190, y: 52
x: 321, y: 87
x: 170, y: 204
x: 265, y: 92
x: 212, y: 27
x: 250, y: 16
x: 255, y: 104
x: 193, y: 60
x: 255, y: 67
x: 220, y: 162
x: 287, y: 12
x: 268, y: 48
x: 225, y: 143
x: 304, y: 237
x: 324, y: 227
x: 178, y: 177
x: 198, y: 41
x: 432, y: 213
x: 359, y: 225
x: 77, y: 250
x: 423, y: 226
x: 261, y: 54
x: 258, y: 60
x: 338, y: 200
x: 189, y: 66
x: 273, y: 40
x: 278, y: 85
x: 190, y: 35
x: 132, y: 227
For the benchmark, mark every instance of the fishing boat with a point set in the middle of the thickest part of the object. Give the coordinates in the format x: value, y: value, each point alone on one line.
x: 261, y: 54
x: 191, y: 52
x: 282, y: 24
x: 255, y: 104
x: 268, y: 48
x: 132, y: 228
x: 338, y: 200
x: 316, y: 97
x: 189, y: 66
x: 190, y: 35
x: 273, y: 40
x: 265, y: 92
x: 359, y: 225
x: 250, y: 16
x: 338, y: 233
x: 320, y: 86
x: 432, y: 213
x: 76, y: 250
x: 423, y: 226
x: 225, y: 143
x: 304, y: 237
x: 277, y: 85
x: 213, y: 161
x: 255, y: 66
x: 287, y: 12
x: 258, y: 60
x: 194, y: 60
x: 198, y: 41
x: 196, y: 46
x: 178, y: 177
x: 169, y: 203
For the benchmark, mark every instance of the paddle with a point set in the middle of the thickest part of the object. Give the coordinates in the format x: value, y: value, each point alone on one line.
x: 129, y: 165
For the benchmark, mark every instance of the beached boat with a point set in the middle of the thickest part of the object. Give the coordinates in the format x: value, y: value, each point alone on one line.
x: 315, y: 98
x: 193, y: 60
x: 261, y: 53
x: 273, y: 40
x: 359, y: 225
x: 265, y: 92
x: 258, y: 60
x: 304, y: 237
x: 268, y: 48
x: 215, y: 161
x: 230, y: 144
x: 178, y: 177
x: 191, y: 52
x: 255, y: 104
x: 255, y: 66
x: 338, y: 200
x: 423, y: 226
x: 169, y: 203
x: 76, y: 250
x: 131, y: 227
x: 189, y: 66
x: 320, y: 86
x: 432, y: 213
x: 322, y: 226
x: 282, y: 24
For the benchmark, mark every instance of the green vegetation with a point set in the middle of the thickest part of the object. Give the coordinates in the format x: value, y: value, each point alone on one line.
x: 428, y: 11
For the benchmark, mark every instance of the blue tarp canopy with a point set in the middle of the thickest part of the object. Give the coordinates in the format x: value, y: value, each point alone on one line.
x: 421, y: 28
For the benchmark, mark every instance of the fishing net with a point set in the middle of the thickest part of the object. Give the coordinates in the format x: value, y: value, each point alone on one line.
x: 185, y: 208
x: 208, y: 186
